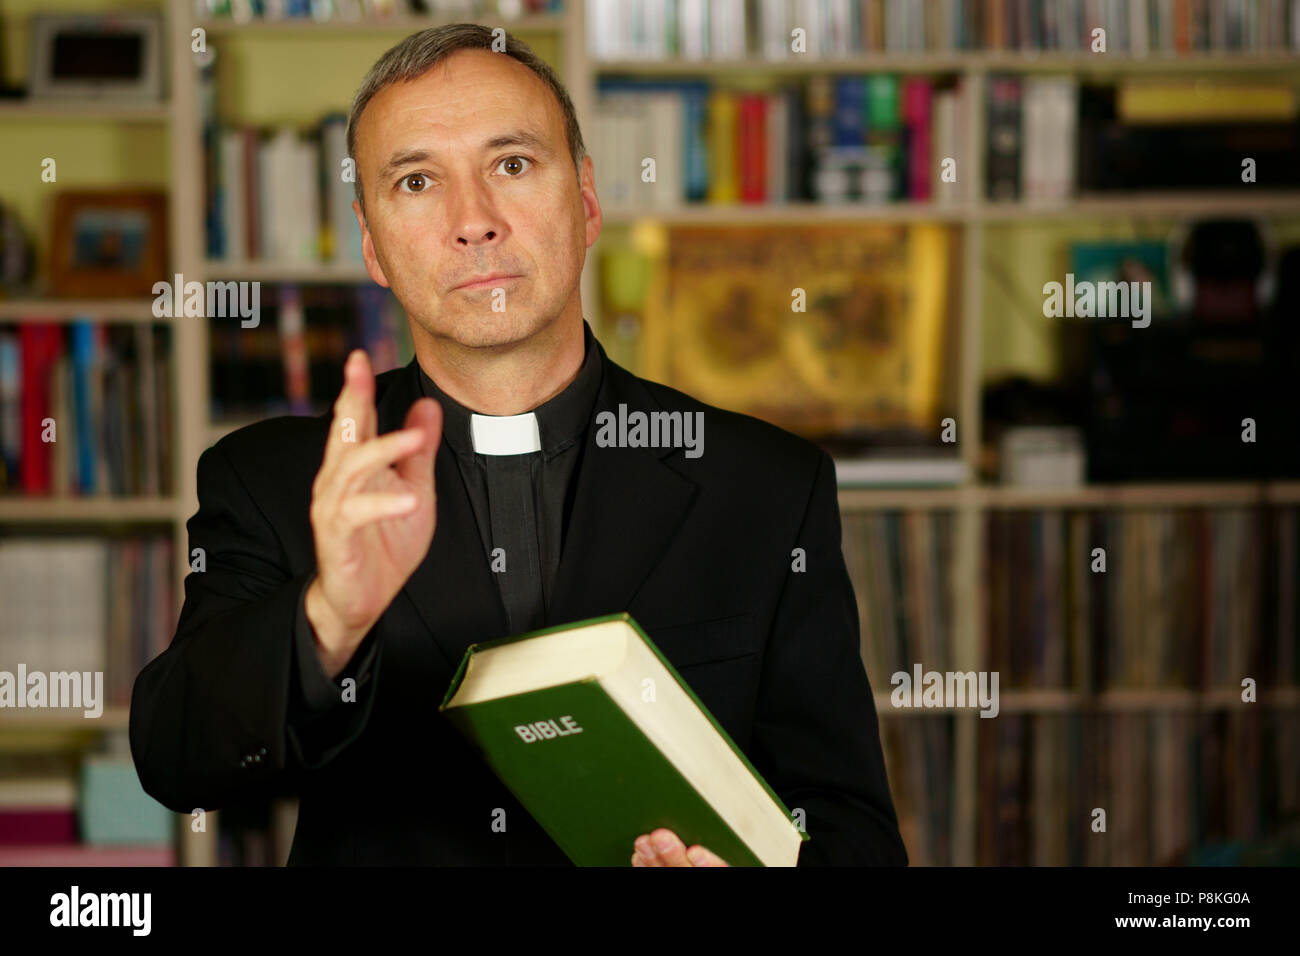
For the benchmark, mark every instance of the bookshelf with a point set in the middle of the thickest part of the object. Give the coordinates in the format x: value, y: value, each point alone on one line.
x: 563, y: 39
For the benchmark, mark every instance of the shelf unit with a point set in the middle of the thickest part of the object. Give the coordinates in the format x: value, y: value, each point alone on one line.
x: 579, y: 71
x: 1054, y: 701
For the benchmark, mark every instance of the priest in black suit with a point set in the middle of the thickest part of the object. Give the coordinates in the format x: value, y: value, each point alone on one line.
x: 471, y: 495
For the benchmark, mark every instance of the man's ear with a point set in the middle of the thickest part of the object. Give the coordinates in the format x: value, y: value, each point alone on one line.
x: 368, y: 247
x: 590, y: 204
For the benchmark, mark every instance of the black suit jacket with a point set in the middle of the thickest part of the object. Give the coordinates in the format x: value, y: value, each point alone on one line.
x: 699, y: 551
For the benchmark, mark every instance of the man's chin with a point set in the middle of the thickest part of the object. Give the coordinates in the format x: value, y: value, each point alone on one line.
x: 478, y: 333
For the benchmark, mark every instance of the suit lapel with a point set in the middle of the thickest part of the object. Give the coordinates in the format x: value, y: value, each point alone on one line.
x: 452, y: 589
x: 626, y: 511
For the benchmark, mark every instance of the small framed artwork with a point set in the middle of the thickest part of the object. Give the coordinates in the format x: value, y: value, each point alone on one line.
x: 107, y: 58
x: 108, y: 244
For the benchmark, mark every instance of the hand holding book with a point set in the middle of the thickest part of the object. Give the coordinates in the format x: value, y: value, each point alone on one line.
x: 565, y: 718
x: 665, y: 848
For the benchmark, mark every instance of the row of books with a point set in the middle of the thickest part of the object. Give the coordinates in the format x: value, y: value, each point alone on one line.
x: 1176, y: 787
x: 1032, y: 134
x: 85, y: 409
x: 292, y: 362
x: 864, y: 138
x: 323, y: 11
x: 280, y: 194
x: 919, y: 761
x: 87, y: 604
x: 732, y: 29
x: 901, y: 565
x: 59, y: 810
x: 1189, y: 598
x: 1193, y: 599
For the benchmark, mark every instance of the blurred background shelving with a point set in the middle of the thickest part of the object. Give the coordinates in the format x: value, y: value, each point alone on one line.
x: 959, y: 785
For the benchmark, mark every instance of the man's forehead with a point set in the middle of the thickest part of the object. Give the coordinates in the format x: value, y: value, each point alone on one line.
x: 454, y: 94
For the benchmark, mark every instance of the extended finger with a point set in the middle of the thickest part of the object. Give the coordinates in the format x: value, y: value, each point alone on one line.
x: 354, y: 409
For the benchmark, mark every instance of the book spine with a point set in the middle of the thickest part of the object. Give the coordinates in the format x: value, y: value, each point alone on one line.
x: 297, y: 386
x: 83, y: 357
x: 919, y: 118
x: 724, y: 185
x: 751, y: 142
x: 11, y: 429
x: 40, y: 345
x: 884, y: 135
x: 1004, y: 138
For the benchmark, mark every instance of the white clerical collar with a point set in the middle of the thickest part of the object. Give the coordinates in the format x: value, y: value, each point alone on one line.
x: 505, y: 434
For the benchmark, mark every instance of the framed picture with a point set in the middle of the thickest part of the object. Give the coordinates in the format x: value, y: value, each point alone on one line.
x: 108, y: 58
x: 108, y: 244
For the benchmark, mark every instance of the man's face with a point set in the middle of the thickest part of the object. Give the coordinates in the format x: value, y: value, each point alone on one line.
x: 466, y: 173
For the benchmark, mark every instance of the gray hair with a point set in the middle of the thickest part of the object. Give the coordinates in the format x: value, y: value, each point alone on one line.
x: 421, y: 52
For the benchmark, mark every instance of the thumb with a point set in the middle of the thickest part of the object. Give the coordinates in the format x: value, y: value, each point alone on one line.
x: 417, y: 467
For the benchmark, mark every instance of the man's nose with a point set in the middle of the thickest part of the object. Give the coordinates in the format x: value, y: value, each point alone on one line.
x: 475, y: 217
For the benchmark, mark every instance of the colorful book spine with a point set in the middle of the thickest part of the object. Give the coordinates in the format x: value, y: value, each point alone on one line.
x: 83, y: 358
x: 724, y: 179
x: 918, y: 122
x: 1004, y: 139
x: 297, y: 384
x: 751, y: 136
x: 40, y: 347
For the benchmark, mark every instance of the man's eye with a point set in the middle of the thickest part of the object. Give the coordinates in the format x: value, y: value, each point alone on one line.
x: 515, y: 160
x: 413, y: 183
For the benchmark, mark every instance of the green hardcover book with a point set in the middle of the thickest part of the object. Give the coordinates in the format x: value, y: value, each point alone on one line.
x: 595, y: 733
x: 884, y: 131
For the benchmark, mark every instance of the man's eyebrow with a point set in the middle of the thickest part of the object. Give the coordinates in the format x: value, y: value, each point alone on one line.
x: 519, y: 137
x: 515, y: 137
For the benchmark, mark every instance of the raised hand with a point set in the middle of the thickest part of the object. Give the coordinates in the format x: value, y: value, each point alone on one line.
x: 373, y: 511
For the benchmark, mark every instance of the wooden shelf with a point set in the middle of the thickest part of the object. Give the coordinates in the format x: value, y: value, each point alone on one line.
x: 62, y: 720
x: 918, y: 499
x: 802, y: 212
x: 1128, y: 495
x: 1172, y: 206
x: 1049, y: 701
x: 959, y: 62
x: 401, y: 24
x: 63, y: 310
x: 253, y: 270
x: 15, y: 509
x: 1012, y: 61
x: 26, y: 110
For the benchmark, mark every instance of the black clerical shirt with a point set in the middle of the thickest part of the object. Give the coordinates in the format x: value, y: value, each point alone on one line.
x: 521, y: 505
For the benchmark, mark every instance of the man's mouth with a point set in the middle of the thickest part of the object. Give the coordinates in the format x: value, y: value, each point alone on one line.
x: 487, y: 282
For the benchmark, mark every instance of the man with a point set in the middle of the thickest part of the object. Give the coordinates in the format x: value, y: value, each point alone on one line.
x: 351, y: 559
